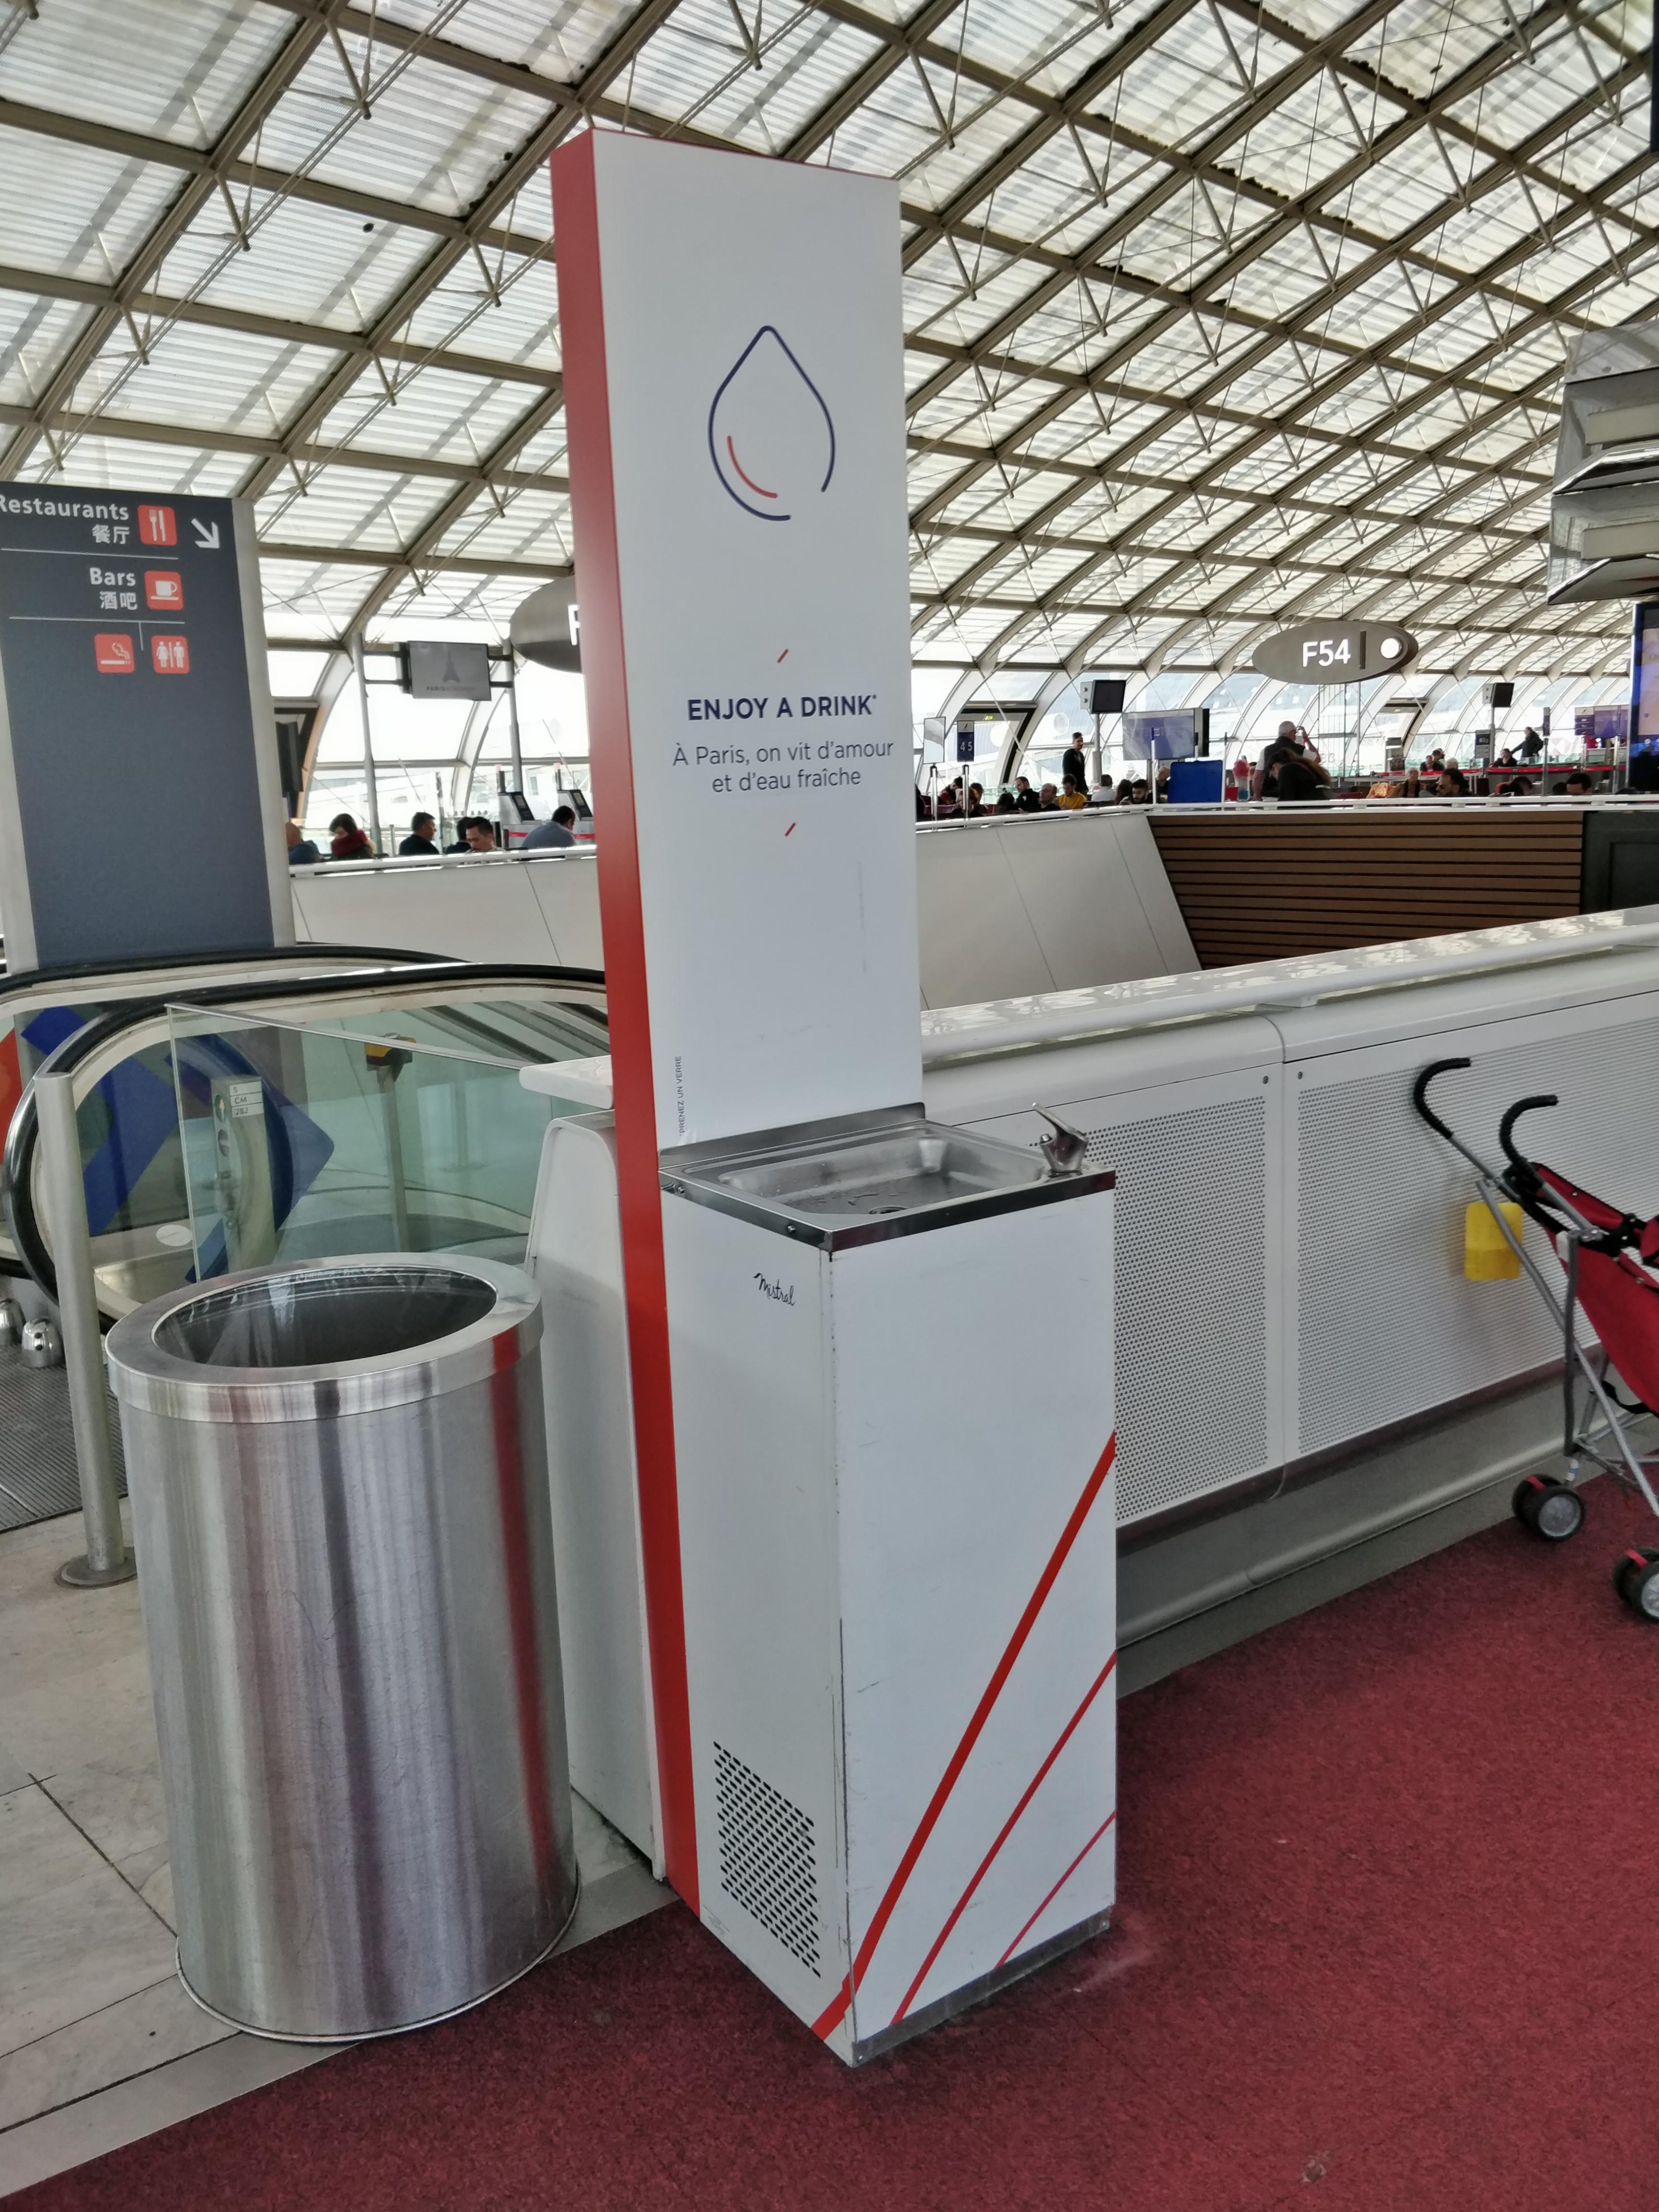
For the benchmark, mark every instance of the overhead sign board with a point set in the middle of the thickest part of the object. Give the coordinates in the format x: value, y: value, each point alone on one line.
x: 546, y: 627
x: 1335, y: 652
x: 140, y: 811
x: 439, y: 668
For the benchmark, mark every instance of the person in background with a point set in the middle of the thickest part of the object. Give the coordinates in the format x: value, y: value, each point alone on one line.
x: 1531, y: 745
x: 1047, y: 800
x: 1024, y: 798
x: 1071, y: 794
x: 1579, y: 785
x: 1072, y: 763
x: 1291, y: 776
x: 1518, y: 787
x: 976, y: 801
x: 1140, y: 792
x: 478, y: 835
x: 420, y: 841
x: 347, y: 842
x: 924, y: 805
x: 1007, y: 803
x: 552, y: 836
x: 1452, y: 783
x: 1125, y: 793
x: 301, y: 853
x: 1412, y: 786
x: 946, y: 809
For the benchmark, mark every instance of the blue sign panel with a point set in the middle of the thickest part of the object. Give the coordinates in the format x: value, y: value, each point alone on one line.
x: 126, y: 691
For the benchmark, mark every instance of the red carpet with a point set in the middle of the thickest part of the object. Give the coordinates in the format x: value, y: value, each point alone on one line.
x: 1387, y: 1875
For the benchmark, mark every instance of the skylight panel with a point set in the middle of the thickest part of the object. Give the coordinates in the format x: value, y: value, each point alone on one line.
x: 320, y: 265
x: 170, y: 69
x: 313, y: 598
x: 35, y: 335
x: 504, y: 306
x: 435, y: 413
x: 558, y: 41
x: 139, y: 463
x: 432, y: 136
x: 350, y: 508
x: 75, y: 210
x: 191, y: 375
x: 527, y: 525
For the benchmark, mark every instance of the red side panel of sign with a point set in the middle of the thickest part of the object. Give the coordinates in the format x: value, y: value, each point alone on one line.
x: 587, y: 415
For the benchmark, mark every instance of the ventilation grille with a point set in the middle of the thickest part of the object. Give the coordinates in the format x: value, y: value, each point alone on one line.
x: 1389, y: 1327
x: 1192, y: 1301
x: 768, y: 1863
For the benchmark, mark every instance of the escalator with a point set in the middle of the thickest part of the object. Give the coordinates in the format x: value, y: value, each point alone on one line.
x: 374, y: 1106
x: 40, y: 1010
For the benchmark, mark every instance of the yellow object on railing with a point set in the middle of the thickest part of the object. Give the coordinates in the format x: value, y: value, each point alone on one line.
x: 1487, y: 1255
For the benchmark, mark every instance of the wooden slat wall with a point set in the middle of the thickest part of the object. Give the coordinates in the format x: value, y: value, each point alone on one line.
x: 1263, y: 886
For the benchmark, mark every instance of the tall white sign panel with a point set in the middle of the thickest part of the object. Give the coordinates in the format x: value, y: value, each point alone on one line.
x: 880, y: 1645
x: 751, y: 728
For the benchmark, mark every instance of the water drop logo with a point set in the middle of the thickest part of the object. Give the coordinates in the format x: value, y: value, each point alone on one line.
x: 770, y: 435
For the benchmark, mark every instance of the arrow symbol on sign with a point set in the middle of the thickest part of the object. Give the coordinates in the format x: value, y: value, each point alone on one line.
x: 207, y: 535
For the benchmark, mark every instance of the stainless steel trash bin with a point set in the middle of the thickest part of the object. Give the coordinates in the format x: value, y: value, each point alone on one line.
x: 341, y: 1517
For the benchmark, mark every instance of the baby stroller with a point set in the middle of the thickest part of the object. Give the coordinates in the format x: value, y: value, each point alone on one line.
x: 1605, y: 1256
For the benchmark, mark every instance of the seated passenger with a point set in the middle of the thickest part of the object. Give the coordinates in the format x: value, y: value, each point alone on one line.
x: 1071, y: 798
x: 301, y: 853
x: 1024, y: 798
x: 1140, y: 792
x: 1517, y: 786
x: 1579, y: 785
x: 552, y: 836
x: 946, y: 808
x: 924, y: 805
x: 478, y: 835
x: 977, y: 799
x: 1452, y: 783
x: 1007, y: 803
x: 1125, y: 793
x: 419, y: 842
x: 1048, y: 800
x: 347, y: 842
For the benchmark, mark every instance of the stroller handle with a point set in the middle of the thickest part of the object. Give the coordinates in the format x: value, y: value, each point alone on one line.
x: 1506, y: 1126
x: 1420, y: 1095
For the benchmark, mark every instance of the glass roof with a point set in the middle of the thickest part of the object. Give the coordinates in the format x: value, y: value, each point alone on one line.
x: 1218, y: 315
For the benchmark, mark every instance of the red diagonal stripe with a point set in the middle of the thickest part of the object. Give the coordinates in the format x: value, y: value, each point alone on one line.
x: 833, y: 2014
x: 981, y: 1713
x: 1002, y: 1836
x: 1055, y: 1891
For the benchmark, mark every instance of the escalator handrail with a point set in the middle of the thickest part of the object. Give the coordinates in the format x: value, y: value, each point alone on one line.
x: 91, y: 971
x: 17, y: 1164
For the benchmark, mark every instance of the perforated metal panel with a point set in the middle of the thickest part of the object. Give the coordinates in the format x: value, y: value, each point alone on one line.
x: 1192, y: 1300
x: 769, y: 1856
x: 1389, y: 1327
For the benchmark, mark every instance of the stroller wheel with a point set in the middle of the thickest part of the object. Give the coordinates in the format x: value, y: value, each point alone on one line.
x: 1637, y: 1581
x: 1550, y: 1508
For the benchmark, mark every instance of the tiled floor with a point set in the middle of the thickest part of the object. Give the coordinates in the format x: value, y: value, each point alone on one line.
x: 98, y: 2043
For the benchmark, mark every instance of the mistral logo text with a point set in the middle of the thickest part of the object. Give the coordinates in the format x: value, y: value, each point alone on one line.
x: 775, y: 1291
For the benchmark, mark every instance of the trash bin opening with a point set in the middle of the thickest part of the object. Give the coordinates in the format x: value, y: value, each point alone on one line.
x: 317, y: 1317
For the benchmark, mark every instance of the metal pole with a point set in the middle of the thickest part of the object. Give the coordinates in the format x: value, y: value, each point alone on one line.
x: 513, y: 719
x: 368, y: 742
x: 105, y: 1558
